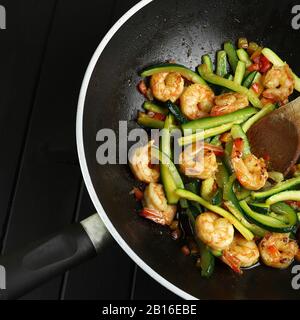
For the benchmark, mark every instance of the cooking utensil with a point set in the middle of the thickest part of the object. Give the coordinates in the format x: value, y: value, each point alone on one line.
x: 277, y: 137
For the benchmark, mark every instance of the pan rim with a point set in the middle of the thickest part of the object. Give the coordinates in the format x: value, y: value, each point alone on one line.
x: 83, y: 163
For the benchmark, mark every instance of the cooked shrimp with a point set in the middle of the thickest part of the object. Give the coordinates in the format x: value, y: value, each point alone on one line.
x: 251, y: 172
x: 156, y: 207
x: 229, y: 102
x: 278, y: 250
x: 246, y: 252
x: 214, y: 231
x: 280, y: 84
x: 167, y: 86
x: 196, y: 101
x: 198, y: 162
x: 140, y: 164
x: 297, y: 256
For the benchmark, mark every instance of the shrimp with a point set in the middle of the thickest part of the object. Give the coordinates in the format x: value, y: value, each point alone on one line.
x: 167, y: 86
x: 198, y: 162
x: 245, y: 252
x: 251, y: 172
x: 156, y: 207
x: 196, y: 101
x: 278, y: 250
x: 280, y: 84
x: 229, y: 102
x: 140, y: 164
x: 214, y: 231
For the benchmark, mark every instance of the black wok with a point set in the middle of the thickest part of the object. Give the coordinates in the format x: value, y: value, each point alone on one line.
x: 153, y: 32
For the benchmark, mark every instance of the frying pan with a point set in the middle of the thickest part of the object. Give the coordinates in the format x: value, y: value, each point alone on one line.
x: 153, y: 32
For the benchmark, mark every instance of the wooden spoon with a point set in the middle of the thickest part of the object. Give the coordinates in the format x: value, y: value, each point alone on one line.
x: 277, y: 137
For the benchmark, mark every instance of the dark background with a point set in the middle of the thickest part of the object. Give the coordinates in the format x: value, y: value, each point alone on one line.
x: 44, y: 54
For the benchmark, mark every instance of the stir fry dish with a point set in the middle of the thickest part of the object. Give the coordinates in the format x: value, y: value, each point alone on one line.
x: 219, y: 200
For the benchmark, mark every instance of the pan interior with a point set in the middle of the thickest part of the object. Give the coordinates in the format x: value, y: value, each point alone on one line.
x: 181, y: 31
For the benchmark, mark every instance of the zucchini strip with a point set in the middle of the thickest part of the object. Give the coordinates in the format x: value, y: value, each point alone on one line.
x: 206, y: 59
x: 215, y: 79
x: 284, y: 196
x: 169, y: 67
x: 274, y: 58
x: 150, y: 106
x: 166, y: 177
x: 205, y: 134
x: 239, y: 72
x: 270, y: 223
x: 259, y: 115
x: 225, y: 214
x: 282, y: 186
x: 211, y: 122
x: 232, y: 55
x: 221, y: 63
x: 243, y: 56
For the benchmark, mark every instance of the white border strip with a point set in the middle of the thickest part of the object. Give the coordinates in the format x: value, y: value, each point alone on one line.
x: 83, y: 164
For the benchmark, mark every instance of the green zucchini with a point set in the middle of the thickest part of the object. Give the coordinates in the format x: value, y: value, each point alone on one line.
x: 207, y: 189
x: 174, y: 109
x: 239, y: 72
x: 169, y: 67
x: 221, y: 63
x: 211, y: 122
x: 256, y: 230
x: 205, y: 134
x: 232, y: 55
x: 225, y: 214
x: 206, y: 59
x: 243, y: 56
x: 148, y: 122
x: 259, y: 115
x: 166, y: 177
x: 248, y: 80
x: 279, y: 187
x: 217, y: 197
x: 150, y: 106
x: 259, y: 207
x: 284, y: 196
x: 217, y: 80
x: 270, y: 223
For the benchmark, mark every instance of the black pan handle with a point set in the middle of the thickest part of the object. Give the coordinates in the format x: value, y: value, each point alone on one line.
x: 28, y: 268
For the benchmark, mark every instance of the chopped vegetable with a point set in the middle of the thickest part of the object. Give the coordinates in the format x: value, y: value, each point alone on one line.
x: 239, y: 72
x: 232, y: 56
x: 282, y: 186
x: 270, y: 223
x: 243, y: 56
x: 205, y: 134
x: 150, y: 106
x: 284, y: 196
x: 168, y: 182
x: 149, y: 122
x: 173, y: 108
x: 185, y: 72
x: 206, y: 59
x: 221, y: 63
x: 215, y: 79
x: 259, y: 115
x: 225, y: 214
x: 211, y: 122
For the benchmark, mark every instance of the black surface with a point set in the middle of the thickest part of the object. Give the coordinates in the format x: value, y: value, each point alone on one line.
x: 181, y: 30
x: 44, y: 54
x: 41, y: 261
